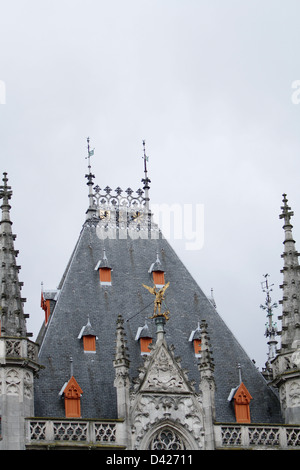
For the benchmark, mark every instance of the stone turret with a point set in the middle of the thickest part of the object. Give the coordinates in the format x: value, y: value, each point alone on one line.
x: 18, y: 355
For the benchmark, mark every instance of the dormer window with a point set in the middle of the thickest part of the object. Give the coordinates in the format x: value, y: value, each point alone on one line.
x: 157, y: 272
x: 145, y: 339
x: 88, y: 336
x: 158, y: 278
x: 72, y: 394
x: 242, y: 404
x: 48, y: 301
x: 104, y: 270
x: 105, y: 276
x: 195, y: 338
x: 45, y: 305
x: 241, y: 398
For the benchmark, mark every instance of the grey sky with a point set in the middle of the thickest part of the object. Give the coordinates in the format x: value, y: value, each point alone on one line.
x: 208, y: 84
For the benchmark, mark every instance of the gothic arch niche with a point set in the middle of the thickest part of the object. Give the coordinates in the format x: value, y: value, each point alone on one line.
x: 168, y: 436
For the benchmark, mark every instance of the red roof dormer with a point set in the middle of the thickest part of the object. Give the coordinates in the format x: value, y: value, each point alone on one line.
x: 72, y: 394
x: 158, y: 273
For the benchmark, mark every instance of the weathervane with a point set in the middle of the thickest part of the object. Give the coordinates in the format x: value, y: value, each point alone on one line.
x: 90, y: 176
x: 90, y: 154
x: 146, y: 180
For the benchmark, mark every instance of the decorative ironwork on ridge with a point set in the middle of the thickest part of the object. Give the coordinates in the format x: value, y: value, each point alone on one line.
x: 107, y: 199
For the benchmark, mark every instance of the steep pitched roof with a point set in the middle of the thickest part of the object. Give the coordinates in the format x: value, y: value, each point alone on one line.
x: 82, y: 296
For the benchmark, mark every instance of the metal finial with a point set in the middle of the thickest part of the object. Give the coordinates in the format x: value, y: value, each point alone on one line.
x: 90, y: 176
x: 271, y: 327
x: 146, y: 180
x: 145, y: 156
x: 89, y: 154
x: 240, y: 372
x: 71, y: 366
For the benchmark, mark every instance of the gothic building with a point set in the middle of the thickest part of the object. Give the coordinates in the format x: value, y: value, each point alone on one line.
x: 132, y: 355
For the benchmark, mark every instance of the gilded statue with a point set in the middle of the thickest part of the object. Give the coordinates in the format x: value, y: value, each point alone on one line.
x: 159, y: 297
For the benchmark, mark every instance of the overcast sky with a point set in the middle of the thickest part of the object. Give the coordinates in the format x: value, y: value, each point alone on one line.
x: 207, y: 84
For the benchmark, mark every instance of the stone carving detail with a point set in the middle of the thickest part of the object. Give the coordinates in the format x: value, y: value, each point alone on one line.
x: 164, y: 398
x: 32, y: 351
x: 28, y: 386
x: 294, y: 394
x: 13, y: 347
x: 296, y: 358
x: 163, y: 374
x: 12, y: 382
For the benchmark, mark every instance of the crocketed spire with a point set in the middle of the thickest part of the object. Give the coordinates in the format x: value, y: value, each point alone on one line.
x: 290, y: 336
x: 12, y: 315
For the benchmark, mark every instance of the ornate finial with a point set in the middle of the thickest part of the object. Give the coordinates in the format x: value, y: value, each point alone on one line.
x: 146, y: 180
x: 271, y: 328
x: 145, y: 158
x: 89, y: 176
x: 286, y: 211
x: 5, y: 190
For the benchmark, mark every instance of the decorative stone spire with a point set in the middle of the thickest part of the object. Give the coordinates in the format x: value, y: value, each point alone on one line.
x: 18, y: 355
x: 286, y: 365
x: 290, y: 335
x: 13, y: 321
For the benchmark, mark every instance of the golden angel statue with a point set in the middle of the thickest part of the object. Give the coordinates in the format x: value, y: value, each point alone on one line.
x: 159, y: 297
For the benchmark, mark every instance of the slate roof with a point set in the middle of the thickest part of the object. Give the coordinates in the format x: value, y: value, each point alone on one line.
x: 82, y: 297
